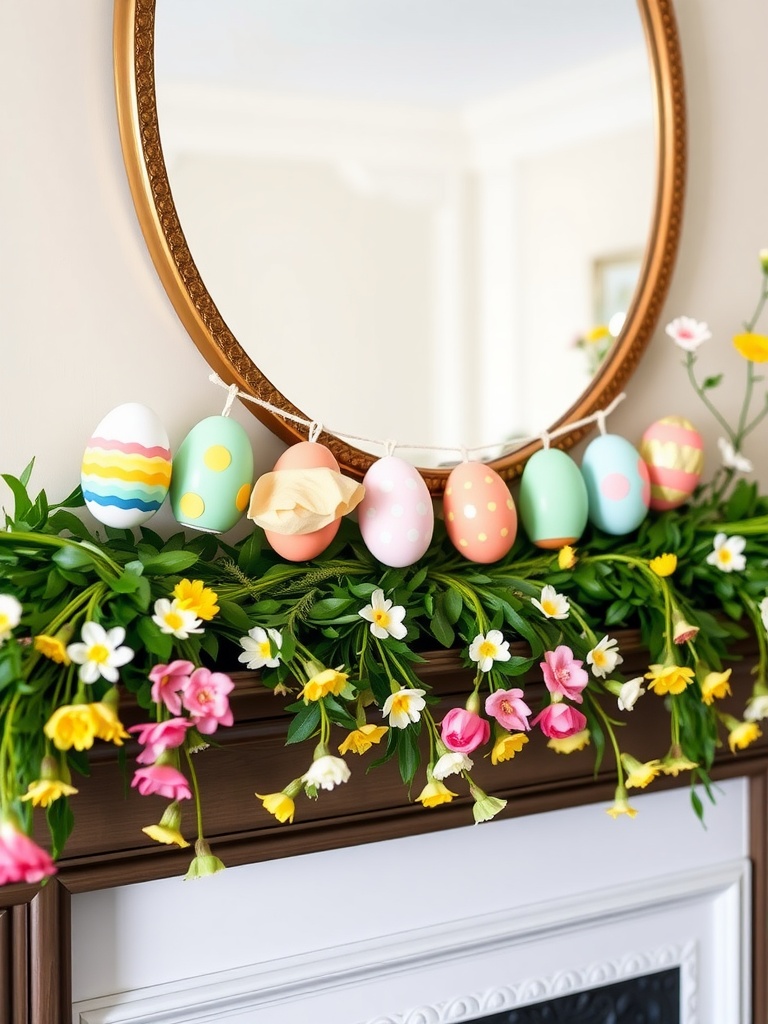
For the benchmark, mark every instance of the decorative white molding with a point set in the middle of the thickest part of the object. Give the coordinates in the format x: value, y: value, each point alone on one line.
x: 301, y: 982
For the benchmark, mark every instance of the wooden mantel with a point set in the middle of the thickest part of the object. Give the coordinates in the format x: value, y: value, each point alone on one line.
x: 108, y: 847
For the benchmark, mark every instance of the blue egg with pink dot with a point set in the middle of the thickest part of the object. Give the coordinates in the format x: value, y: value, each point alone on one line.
x: 618, y: 484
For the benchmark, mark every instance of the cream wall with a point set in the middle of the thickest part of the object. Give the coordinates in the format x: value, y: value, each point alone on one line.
x: 86, y: 324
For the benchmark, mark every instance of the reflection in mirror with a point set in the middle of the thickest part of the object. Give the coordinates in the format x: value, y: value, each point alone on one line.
x: 423, y: 222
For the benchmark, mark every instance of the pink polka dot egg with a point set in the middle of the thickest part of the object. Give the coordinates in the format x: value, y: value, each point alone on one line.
x: 480, y: 515
x: 396, y: 517
x: 618, y: 484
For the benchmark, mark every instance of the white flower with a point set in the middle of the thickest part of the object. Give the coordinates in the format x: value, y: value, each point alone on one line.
x: 688, y: 333
x: 100, y: 653
x: 385, y: 618
x: 451, y: 763
x: 757, y: 708
x: 763, y: 606
x: 173, y: 619
x: 630, y: 693
x: 257, y: 649
x: 403, y: 707
x: 604, y: 657
x: 487, y: 649
x: 10, y: 615
x: 731, y: 458
x: 326, y: 772
x: 727, y: 553
x: 552, y: 604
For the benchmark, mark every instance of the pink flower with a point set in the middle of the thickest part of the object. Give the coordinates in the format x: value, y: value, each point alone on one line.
x: 21, y: 859
x: 563, y: 674
x: 559, y: 721
x: 156, y: 737
x: 162, y: 779
x: 463, y: 731
x: 205, y: 698
x: 509, y: 710
x: 169, y: 681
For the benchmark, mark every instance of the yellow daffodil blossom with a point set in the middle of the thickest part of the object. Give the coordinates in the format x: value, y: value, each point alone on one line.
x: 363, y: 738
x: 621, y: 805
x: 742, y: 734
x: 320, y: 685
x: 50, y: 786
x: 280, y: 805
x: 570, y: 744
x: 168, y: 830
x: 663, y: 565
x: 668, y: 678
x: 753, y: 347
x: 715, y: 686
x: 194, y: 596
x: 435, y: 793
x: 566, y: 557
x: 108, y: 726
x: 54, y: 647
x: 72, y: 725
x: 404, y: 706
x: 640, y: 773
x: 675, y: 762
x: 506, y: 745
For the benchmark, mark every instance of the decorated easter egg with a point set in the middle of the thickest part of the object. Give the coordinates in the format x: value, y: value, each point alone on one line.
x: 618, y: 485
x: 212, y: 475
x: 302, y: 547
x: 126, y: 468
x: 673, y: 451
x: 396, y: 517
x: 480, y: 515
x: 553, y: 499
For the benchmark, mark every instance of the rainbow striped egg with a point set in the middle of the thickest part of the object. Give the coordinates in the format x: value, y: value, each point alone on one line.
x: 674, y: 453
x: 126, y: 468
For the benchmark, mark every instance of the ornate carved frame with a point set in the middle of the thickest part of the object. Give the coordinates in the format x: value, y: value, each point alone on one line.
x: 147, y: 174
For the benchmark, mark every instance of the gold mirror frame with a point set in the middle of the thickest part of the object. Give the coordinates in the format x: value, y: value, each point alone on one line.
x: 134, y: 55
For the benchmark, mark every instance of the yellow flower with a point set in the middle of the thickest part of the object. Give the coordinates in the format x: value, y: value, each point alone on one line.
x: 578, y: 741
x: 280, y: 805
x: 45, y: 791
x: 53, y: 647
x: 566, y: 557
x: 108, y: 725
x: 435, y: 793
x: 597, y: 334
x: 507, y: 745
x: 742, y: 734
x: 72, y: 725
x: 715, y: 686
x: 194, y: 596
x: 621, y: 805
x: 752, y: 346
x: 676, y: 762
x: 169, y: 836
x: 639, y: 773
x: 362, y: 739
x: 325, y: 682
x: 664, y: 565
x: 668, y: 678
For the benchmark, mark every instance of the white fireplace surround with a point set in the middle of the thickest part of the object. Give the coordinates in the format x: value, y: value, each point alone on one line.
x: 433, y: 929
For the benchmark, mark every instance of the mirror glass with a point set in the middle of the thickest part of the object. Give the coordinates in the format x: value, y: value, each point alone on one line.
x: 423, y: 220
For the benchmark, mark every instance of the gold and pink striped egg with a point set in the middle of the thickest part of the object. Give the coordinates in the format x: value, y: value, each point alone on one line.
x: 673, y: 450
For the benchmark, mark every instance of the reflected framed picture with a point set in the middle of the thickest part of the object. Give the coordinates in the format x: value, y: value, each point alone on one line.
x: 614, y: 279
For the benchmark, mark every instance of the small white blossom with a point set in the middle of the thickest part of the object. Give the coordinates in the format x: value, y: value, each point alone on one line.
x: 10, y: 615
x: 172, y: 618
x: 487, y: 649
x: 764, y: 612
x: 100, y: 653
x: 688, y: 333
x: 604, y: 657
x: 727, y: 553
x: 385, y: 618
x: 257, y: 649
x: 732, y: 459
x: 403, y: 707
x: 326, y: 772
x: 630, y: 693
x: 757, y: 708
x: 552, y: 604
x: 451, y: 763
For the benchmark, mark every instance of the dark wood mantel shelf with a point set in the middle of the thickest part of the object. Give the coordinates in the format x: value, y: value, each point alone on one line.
x: 108, y: 848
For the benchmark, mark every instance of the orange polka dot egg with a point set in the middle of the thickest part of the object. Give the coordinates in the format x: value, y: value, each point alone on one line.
x: 480, y: 515
x: 212, y: 475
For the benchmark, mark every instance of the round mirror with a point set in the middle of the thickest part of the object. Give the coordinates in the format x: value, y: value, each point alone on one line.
x: 448, y: 225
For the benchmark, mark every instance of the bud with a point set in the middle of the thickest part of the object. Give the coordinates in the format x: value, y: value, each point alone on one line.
x: 763, y: 255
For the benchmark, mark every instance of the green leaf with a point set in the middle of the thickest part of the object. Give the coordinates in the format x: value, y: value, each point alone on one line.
x: 452, y: 605
x: 67, y: 522
x: 156, y: 642
x: 408, y: 756
x: 61, y: 821
x: 440, y: 627
x: 250, y: 553
x: 22, y: 503
x: 331, y: 608
x: 712, y: 382
x: 304, y: 723
x: 234, y: 615
x: 73, y: 557
x: 168, y: 563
